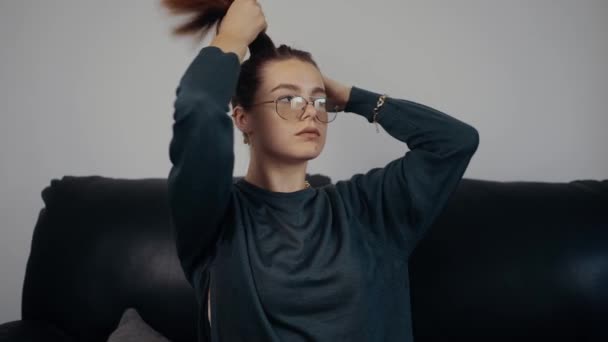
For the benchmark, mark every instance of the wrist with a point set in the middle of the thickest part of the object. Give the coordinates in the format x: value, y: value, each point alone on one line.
x: 362, y: 101
x: 346, y: 96
x: 227, y: 44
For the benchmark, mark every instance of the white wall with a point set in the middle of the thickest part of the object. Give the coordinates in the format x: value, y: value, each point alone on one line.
x: 86, y: 87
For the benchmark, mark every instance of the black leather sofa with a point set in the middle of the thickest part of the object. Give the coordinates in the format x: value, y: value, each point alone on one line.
x: 512, y: 261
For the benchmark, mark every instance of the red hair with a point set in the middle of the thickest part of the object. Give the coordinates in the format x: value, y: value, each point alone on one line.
x: 205, y: 13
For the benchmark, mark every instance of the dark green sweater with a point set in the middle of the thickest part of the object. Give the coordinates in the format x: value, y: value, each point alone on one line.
x: 319, y: 264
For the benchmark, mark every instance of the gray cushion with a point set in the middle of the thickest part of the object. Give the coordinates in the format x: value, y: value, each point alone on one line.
x: 133, y: 328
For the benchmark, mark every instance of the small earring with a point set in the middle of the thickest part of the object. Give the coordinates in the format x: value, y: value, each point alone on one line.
x: 246, y: 138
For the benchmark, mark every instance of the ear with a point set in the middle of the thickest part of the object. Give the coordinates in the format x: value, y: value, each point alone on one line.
x: 241, y: 119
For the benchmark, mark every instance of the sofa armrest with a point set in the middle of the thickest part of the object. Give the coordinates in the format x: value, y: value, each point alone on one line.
x: 31, y: 331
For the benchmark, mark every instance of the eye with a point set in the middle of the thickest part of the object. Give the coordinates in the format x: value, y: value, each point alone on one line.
x: 321, y: 103
x: 285, y: 98
x: 295, y: 102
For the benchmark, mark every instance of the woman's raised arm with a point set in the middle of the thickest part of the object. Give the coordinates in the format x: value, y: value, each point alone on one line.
x: 202, y: 155
x: 202, y: 147
x: 409, y: 193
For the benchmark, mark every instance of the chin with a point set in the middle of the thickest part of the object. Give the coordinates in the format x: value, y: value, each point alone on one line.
x: 299, y: 151
x: 311, y: 156
x: 306, y: 154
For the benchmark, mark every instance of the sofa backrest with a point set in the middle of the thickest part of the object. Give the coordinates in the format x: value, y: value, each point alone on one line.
x: 505, y: 259
x: 101, y: 245
x: 515, y: 261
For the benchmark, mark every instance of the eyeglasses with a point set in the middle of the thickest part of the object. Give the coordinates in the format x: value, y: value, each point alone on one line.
x: 291, y: 108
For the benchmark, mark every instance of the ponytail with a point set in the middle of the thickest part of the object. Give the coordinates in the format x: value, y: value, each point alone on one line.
x: 262, y: 46
x: 205, y: 14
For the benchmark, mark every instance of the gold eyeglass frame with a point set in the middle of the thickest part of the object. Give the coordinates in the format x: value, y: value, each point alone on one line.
x: 276, y: 109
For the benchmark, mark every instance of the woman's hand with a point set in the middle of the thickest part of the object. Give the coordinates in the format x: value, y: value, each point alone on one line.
x: 241, y: 25
x: 337, y: 93
x: 243, y: 21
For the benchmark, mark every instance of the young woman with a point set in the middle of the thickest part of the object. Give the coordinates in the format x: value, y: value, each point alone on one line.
x: 274, y: 258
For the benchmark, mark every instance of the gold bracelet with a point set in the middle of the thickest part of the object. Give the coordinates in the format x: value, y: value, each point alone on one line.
x: 378, y: 105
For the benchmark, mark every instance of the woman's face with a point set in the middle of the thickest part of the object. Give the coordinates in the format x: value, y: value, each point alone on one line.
x: 278, y: 137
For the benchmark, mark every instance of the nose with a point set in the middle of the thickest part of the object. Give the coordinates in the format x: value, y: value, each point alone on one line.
x: 313, y: 112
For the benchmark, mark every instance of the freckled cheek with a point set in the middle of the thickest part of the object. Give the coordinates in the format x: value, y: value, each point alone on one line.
x: 279, y: 134
x: 270, y: 129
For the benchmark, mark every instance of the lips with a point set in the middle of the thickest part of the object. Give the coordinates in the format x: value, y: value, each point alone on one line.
x: 309, y: 130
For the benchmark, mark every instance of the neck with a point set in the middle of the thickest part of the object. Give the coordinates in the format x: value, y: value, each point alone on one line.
x: 275, y: 174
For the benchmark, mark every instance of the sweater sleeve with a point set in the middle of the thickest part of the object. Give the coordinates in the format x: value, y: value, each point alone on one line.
x: 201, y: 152
x: 409, y: 193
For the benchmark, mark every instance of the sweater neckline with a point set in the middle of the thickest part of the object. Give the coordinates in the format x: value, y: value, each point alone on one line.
x: 298, y: 194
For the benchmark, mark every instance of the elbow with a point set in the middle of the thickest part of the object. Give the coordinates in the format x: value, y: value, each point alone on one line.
x: 187, y: 103
x: 467, y: 139
x: 470, y: 139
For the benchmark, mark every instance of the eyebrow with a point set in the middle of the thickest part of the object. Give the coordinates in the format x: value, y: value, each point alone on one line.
x: 296, y: 88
